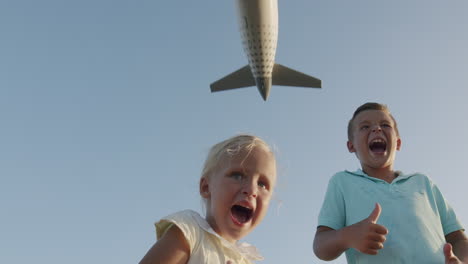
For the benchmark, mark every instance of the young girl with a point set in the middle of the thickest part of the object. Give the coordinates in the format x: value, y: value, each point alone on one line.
x: 237, y: 183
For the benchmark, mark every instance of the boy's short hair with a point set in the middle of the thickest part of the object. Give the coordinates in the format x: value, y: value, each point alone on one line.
x: 370, y: 106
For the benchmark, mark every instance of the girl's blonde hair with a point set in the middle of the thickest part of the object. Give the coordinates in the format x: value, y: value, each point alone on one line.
x: 231, y: 147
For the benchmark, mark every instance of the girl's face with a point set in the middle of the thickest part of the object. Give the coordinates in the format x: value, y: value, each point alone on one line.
x: 238, y: 192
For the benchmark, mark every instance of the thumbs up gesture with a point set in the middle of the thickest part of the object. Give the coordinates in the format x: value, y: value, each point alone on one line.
x: 450, y: 258
x: 367, y: 236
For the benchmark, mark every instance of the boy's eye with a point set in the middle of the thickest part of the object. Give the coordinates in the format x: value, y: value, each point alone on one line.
x: 364, y: 127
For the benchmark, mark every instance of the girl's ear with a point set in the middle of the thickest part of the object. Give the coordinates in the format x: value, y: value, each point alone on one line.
x: 350, y: 146
x: 204, y: 188
x: 398, y: 146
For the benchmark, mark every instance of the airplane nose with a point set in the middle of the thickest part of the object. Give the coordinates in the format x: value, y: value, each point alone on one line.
x: 263, y: 85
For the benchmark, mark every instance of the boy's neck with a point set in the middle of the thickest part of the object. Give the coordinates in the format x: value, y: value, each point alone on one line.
x: 386, y: 174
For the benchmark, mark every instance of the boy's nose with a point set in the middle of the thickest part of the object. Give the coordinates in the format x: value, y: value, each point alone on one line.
x: 376, y: 129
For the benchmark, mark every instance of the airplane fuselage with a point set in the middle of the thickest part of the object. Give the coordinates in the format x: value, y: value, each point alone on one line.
x: 258, y: 25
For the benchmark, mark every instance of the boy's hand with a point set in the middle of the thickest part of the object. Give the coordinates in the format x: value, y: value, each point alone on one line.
x: 366, y: 236
x: 450, y: 258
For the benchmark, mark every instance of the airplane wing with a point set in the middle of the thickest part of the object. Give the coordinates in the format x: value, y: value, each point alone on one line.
x: 288, y: 77
x: 238, y: 79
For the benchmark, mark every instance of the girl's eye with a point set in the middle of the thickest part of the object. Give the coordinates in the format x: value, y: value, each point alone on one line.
x: 262, y: 184
x: 386, y: 125
x: 237, y: 176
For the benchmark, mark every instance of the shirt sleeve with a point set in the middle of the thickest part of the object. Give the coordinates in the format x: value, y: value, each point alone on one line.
x: 185, y: 222
x: 333, y: 212
x: 447, y: 215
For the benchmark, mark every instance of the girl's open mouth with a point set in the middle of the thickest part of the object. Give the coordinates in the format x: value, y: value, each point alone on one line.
x: 240, y: 214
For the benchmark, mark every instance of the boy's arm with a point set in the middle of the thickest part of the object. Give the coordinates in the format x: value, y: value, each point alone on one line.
x: 459, y: 243
x: 366, y: 236
x: 329, y: 243
x: 172, y: 248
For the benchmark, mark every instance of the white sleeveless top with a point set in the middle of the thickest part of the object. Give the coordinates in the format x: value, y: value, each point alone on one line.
x: 206, y: 246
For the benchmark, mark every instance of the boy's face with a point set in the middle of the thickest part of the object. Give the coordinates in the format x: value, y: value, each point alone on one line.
x: 374, y: 139
x: 238, y: 192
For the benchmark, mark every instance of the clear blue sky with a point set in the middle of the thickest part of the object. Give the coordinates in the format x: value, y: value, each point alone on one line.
x: 106, y: 114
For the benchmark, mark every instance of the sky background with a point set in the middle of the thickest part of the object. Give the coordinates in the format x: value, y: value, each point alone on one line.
x: 106, y: 114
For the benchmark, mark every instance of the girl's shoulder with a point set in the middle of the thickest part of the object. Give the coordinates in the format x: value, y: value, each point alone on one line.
x: 203, y: 239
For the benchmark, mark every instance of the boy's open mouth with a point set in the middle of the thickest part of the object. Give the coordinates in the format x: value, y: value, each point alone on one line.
x: 241, y: 214
x: 378, y: 145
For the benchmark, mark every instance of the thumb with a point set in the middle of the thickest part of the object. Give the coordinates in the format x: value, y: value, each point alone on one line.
x: 374, y: 216
x: 448, y: 252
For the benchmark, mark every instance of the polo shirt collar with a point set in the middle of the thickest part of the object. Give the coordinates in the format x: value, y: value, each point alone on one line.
x: 361, y: 173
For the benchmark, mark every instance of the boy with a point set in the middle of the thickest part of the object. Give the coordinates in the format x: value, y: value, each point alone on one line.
x: 378, y: 215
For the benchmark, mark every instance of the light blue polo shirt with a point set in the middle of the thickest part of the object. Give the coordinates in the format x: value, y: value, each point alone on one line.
x: 413, y: 210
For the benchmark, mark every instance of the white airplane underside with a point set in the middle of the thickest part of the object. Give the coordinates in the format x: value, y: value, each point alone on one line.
x: 258, y: 25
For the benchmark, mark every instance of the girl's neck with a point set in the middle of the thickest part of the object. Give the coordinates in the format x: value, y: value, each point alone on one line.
x: 210, y: 220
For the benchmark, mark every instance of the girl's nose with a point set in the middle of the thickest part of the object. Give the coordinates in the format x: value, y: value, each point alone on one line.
x: 250, y: 189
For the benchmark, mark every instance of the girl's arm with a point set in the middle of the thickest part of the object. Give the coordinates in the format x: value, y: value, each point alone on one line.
x: 172, y: 248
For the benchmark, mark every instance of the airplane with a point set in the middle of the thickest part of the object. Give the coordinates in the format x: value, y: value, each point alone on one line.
x: 258, y: 22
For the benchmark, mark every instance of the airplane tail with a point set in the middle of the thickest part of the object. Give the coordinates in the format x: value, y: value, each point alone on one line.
x: 281, y: 75
x: 285, y: 76
x: 238, y: 79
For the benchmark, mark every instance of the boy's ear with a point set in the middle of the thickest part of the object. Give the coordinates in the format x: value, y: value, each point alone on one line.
x: 350, y: 146
x: 204, y: 188
x: 398, y: 144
